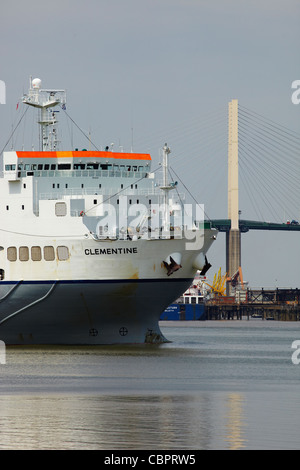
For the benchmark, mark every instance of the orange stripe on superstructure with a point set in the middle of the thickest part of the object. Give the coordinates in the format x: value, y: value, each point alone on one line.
x: 36, y: 154
x: 117, y: 155
x: 85, y: 154
x: 66, y: 154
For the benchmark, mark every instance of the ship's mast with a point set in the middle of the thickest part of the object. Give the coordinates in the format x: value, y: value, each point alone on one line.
x: 45, y: 100
x: 166, y: 187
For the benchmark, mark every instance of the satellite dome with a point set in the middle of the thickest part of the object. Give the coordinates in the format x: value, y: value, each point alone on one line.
x: 36, y: 83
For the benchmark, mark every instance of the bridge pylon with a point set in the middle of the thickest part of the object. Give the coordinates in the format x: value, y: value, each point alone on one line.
x: 233, y: 237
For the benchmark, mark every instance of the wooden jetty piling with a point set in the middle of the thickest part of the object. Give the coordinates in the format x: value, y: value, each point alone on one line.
x: 278, y: 304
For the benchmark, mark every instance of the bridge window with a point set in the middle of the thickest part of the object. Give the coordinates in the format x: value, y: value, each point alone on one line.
x: 92, y: 166
x: 105, y: 166
x: 64, y: 166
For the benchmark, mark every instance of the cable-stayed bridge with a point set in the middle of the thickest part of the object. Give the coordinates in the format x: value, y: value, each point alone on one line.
x: 259, y: 142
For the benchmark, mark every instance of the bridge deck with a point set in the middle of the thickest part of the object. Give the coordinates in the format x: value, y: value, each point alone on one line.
x: 224, y: 225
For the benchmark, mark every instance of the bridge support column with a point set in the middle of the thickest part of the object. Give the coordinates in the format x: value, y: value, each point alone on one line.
x: 233, y: 255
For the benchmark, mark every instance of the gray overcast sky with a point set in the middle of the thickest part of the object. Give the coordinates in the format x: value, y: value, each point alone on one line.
x: 151, y: 71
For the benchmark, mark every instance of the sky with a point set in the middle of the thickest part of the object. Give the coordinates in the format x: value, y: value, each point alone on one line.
x: 144, y: 72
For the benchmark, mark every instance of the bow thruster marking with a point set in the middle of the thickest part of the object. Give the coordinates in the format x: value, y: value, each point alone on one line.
x: 123, y: 331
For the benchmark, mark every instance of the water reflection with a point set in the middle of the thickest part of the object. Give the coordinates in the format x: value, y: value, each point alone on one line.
x: 235, y: 421
x: 106, y: 422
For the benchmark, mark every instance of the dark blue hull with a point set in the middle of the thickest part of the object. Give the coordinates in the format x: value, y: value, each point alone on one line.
x: 184, y: 312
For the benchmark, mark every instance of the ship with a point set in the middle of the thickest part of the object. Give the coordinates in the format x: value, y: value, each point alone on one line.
x: 190, y: 306
x: 94, y: 246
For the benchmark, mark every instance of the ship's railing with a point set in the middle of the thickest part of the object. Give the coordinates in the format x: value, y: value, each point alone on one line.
x: 81, y: 173
x: 143, y: 233
x: 107, y: 192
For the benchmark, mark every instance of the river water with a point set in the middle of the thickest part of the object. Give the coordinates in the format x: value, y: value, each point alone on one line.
x: 217, y: 385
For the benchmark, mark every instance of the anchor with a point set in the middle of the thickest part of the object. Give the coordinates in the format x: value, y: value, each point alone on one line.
x: 205, y: 267
x: 172, y: 266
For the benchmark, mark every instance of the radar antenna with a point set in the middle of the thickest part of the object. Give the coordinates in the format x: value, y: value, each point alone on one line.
x: 45, y: 100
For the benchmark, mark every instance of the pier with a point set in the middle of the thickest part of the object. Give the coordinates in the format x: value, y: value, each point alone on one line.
x: 278, y: 304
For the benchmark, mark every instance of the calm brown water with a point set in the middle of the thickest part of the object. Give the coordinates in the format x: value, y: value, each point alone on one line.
x: 218, y: 385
